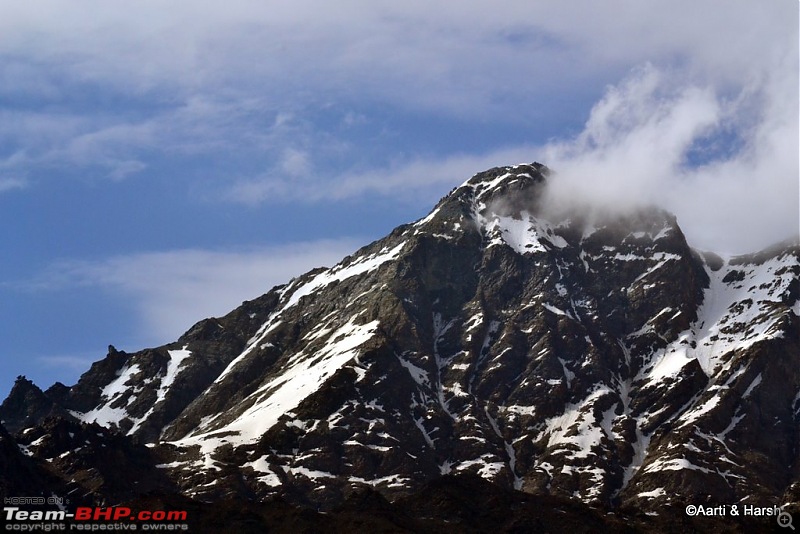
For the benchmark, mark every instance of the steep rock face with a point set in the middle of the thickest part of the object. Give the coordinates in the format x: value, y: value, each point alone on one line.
x: 27, y: 405
x: 558, y: 351
x: 98, y: 465
x: 20, y: 474
x: 738, y: 438
x: 489, y: 340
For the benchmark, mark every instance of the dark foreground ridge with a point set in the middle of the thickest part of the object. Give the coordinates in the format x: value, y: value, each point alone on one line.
x: 448, y: 504
x: 558, y: 361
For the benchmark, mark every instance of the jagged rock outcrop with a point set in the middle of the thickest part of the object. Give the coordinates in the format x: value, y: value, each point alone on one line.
x: 20, y: 474
x: 100, y: 466
x: 27, y: 405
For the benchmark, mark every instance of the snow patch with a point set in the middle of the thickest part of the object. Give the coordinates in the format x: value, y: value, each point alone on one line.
x: 655, y: 494
x: 525, y: 235
x: 334, y: 274
x: 300, y: 378
x: 752, y: 386
x: 419, y: 375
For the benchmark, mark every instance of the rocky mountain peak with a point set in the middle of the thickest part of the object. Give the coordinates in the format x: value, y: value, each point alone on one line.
x: 579, y: 353
x: 28, y: 404
x: 512, y: 205
x: 506, y: 190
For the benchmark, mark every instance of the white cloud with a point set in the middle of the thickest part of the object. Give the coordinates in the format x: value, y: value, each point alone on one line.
x: 172, y: 290
x: 634, y: 150
x: 407, y: 181
x: 428, y: 55
x: 9, y: 184
x: 241, y: 77
x: 635, y: 140
x: 296, y: 162
x: 121, y: 142
x: 75, y: 364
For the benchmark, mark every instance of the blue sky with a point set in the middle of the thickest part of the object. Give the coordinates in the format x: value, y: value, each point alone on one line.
x: 160, y: 162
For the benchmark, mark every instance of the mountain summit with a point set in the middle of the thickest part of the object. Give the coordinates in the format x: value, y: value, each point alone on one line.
x: 549, y: 349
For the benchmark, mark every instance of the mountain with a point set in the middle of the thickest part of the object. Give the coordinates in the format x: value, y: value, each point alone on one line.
x: 563, y: 351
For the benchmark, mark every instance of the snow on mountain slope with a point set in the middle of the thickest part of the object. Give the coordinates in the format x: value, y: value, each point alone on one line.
x: 594, y: 356
x: 296, y: 292
x: 742, y: 306
x: 114, y: 398
x: 120, y: 400
x: 301, y: 376
x: 746, y: 330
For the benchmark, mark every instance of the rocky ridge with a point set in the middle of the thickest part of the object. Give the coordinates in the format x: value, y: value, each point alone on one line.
x: 577, y: 354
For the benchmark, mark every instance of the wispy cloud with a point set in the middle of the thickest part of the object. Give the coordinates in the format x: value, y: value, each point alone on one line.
x: 426, y: 55
x: 69, y: 363
x: 117, y: 143
x: 638, y: 142
x: 636, y: 138
x: 204, y: 78
x: 172, y: 290
x: 9, y: 184
x: 725, y: 163
x: 245, y: 82
x: 406, y: 181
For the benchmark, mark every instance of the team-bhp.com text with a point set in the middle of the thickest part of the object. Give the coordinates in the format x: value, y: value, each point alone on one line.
x: 92, y: 519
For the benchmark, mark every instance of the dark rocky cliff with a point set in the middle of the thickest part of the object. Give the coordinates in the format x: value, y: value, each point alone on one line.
x: 571, y: 353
